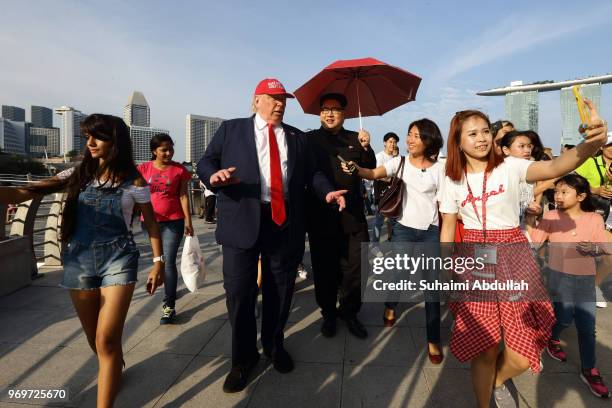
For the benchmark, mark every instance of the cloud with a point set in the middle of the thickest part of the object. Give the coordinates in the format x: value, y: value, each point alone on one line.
x: 516, y: 33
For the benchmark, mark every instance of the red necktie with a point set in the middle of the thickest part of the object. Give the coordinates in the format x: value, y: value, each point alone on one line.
x: 277, y: 198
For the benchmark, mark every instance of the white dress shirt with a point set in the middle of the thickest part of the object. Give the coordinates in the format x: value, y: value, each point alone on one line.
x: 263, y: 154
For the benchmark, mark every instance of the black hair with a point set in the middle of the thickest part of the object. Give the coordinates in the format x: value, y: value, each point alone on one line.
x: 496, y: 126
x: 118, y: 166
x: 341, y: 99
x: 157, y: 141
x: 569, y: 146
x: 509, y: 138
x: 538, y: 147
x: 581, y: 185
x: 390, y: 135
x: 430, y: 136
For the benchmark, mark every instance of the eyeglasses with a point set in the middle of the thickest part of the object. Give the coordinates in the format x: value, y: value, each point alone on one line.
x: 326, y: 110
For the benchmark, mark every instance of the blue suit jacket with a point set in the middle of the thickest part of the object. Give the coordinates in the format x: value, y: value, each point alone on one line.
x: 239, y: 205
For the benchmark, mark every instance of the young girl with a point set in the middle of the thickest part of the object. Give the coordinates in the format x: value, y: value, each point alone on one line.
x: 100, y: 257
x: 484, y: 188
x: 572, y: 277
x: 168, y: 182
x: 419, y: 222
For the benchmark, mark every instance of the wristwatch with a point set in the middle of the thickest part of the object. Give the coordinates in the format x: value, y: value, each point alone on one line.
x: 160, y: 258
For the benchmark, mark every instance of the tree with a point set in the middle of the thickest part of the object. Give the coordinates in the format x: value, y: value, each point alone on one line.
x: 72, y: 154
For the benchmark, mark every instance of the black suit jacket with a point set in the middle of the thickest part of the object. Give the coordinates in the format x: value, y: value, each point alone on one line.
x: 239, y: 205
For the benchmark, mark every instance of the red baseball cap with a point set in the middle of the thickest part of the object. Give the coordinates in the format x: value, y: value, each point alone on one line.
x: 271, y: 86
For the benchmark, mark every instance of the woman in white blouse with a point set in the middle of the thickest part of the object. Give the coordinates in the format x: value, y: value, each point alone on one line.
x: 419, y: 221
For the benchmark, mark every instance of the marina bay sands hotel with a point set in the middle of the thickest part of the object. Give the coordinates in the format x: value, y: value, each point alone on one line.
x: 521, y: 103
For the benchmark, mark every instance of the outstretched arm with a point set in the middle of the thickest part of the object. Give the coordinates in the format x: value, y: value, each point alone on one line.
x: 595, y: 136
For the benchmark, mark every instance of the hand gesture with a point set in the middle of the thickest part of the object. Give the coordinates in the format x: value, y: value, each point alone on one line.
x: 533, y: 208
x: 597, y: 128
x: 224, y: 177
x: 337, y: 197
x: 155, y: 278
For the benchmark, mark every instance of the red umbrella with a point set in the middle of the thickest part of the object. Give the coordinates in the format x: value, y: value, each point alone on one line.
x: 370, y: 86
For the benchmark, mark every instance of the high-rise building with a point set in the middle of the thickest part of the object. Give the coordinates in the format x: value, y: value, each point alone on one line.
x: 13, y: 113
x: 12, y: 136
x: 522, y: 110
x: 71, y: 135
x: 199, y: 132
x: 137, y: 112
x: 141, y: 136
x: 570, y: 118
x: 41, y: 117
x: 43, y: 140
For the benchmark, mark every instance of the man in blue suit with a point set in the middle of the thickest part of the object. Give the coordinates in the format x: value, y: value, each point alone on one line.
x: 259, y: 168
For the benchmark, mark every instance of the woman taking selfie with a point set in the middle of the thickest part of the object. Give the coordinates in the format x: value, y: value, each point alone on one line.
x: 483, y: 187
x: 100, y: 257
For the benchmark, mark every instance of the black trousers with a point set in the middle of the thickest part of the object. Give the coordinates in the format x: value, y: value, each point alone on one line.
x: 336, y: 266
x: 240, y: 283
x: 209, y: 207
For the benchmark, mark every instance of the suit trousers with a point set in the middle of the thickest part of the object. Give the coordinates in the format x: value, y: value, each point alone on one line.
x: 336, y: 266
x: 240, y: 284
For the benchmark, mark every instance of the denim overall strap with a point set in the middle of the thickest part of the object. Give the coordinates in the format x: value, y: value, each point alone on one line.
x: 99, y: 215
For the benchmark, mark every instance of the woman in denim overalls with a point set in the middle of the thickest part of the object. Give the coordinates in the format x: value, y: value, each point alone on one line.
x: 100, y: 256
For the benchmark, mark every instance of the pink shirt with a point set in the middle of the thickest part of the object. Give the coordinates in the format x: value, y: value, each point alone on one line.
x: 165, y: 186
x: 563, y: 233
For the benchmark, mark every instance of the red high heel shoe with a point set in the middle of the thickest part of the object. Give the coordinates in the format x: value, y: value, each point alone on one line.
x: 388, y: 322
x: 435, y: 358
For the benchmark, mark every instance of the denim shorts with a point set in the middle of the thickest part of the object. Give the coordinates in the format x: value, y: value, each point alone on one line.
x: 99, y: 265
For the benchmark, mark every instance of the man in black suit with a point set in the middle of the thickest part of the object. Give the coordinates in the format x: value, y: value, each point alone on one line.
x: 335, y: 238
x: 259, y: 167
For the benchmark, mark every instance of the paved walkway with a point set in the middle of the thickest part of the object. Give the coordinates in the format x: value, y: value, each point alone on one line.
x: 42, y: 346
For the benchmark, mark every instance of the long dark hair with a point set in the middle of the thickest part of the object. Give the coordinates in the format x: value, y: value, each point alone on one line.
x: 430, y: 136
x: 157, y: 141
x: 118, y: 166
x: 581, y: 185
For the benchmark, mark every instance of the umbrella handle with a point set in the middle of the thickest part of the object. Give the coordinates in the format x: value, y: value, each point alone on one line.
x: 359, y: 104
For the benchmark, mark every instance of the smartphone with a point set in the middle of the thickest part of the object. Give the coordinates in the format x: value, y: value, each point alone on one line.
x: 583, y: 111
x: 351, y: 166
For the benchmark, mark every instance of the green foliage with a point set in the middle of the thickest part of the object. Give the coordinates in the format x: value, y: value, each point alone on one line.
x: 15, y: 164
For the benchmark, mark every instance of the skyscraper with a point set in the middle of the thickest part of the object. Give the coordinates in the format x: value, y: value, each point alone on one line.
x: 43, y: 140
x: 12, y: 136
x: 13, y: 113
x: 570, y: 118
x: 199, y: 132
x: 137, y: 112
x: 41, y: 117
x: 522, y: 110
x: 141, y: 136
x: 71, y: 136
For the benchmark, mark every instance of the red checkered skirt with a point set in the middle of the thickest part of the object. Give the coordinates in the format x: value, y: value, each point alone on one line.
x: 525, y: 326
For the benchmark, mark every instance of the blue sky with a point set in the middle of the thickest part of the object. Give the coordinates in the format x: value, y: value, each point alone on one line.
x: 206, y: 57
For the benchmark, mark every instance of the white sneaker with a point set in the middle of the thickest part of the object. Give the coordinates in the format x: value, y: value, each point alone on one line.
x: 602, y: 304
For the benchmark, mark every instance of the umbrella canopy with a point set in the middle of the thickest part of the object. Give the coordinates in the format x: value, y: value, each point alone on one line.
x: 370, y: 86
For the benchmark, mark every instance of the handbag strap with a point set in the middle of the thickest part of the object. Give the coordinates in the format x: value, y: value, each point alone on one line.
x: 400, y: 170
x: 601, y: 177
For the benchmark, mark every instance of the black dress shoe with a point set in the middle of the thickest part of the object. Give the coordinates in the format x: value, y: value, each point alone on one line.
x: 356, y: 328
x: 282, y: 361
x: 328, y: 328
x: 238, y: 377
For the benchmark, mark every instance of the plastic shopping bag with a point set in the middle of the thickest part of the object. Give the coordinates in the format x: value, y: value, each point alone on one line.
x: 193, y: 269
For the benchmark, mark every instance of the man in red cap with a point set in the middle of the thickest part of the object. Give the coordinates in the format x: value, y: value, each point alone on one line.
x: 259, y: 168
